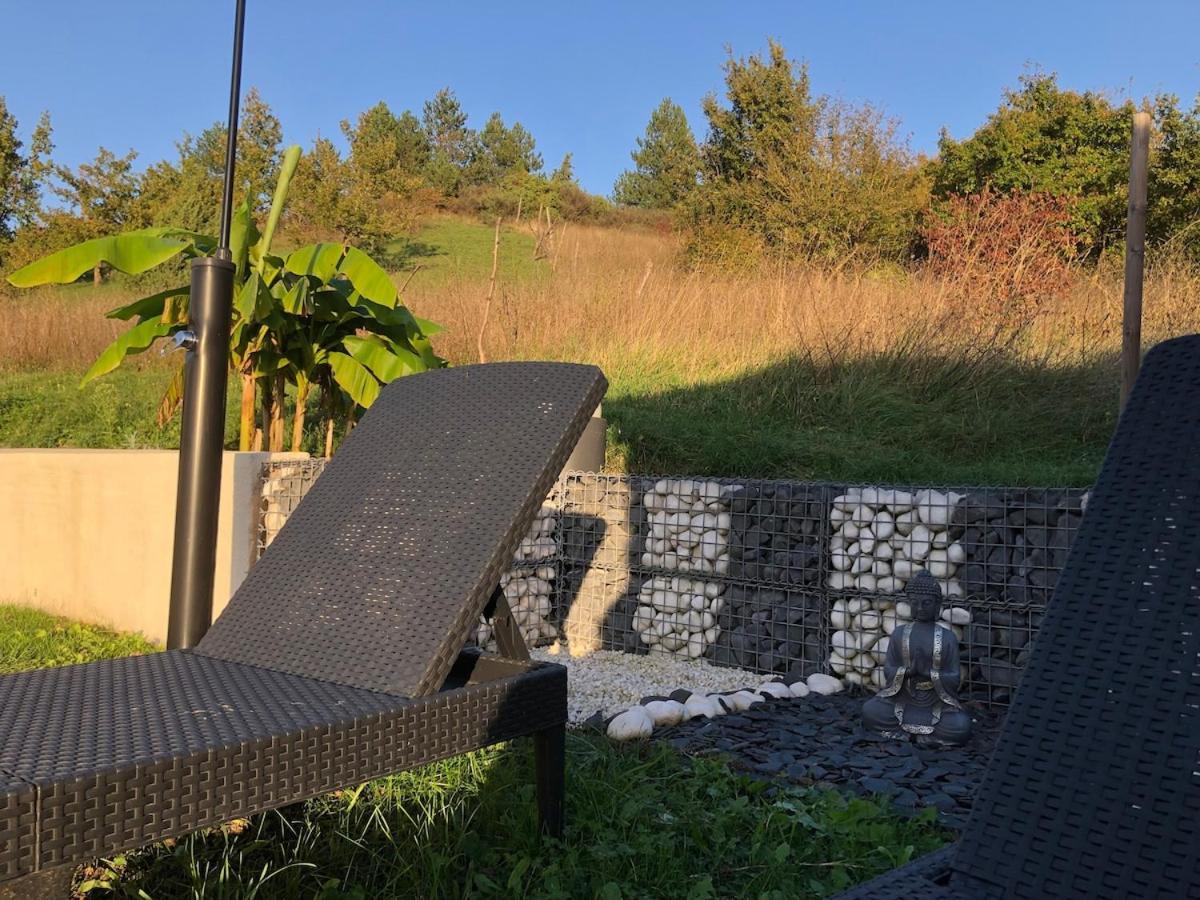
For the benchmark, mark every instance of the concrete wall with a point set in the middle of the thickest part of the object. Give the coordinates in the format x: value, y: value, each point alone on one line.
x: 88, y: 533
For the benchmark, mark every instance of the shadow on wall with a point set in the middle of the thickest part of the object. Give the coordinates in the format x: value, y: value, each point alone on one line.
x: 898, y: 417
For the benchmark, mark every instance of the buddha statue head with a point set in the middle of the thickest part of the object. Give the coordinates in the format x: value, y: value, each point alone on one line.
x: 924, y: 596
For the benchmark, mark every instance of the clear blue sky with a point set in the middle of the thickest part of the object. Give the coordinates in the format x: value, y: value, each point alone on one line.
x: 582, y: 77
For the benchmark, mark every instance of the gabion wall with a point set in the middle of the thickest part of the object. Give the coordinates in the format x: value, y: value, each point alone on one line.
x: 796, y: 577
x: 774, y: 576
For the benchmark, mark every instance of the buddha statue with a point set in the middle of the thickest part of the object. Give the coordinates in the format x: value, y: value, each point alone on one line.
x: 922, y: 675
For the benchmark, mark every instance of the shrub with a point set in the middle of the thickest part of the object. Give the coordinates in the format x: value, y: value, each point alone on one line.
x: 1003, y: 254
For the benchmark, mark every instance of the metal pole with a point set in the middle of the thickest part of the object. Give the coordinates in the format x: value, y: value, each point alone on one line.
x: 202, y: 434
x: 1135, y: 253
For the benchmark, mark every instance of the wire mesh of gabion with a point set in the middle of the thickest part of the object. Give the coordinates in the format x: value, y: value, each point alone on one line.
x: 799, y: 577
x: 775, y: 576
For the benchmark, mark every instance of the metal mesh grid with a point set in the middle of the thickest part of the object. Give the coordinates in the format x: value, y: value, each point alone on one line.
x: 776, y: 576
x: 809, y: 575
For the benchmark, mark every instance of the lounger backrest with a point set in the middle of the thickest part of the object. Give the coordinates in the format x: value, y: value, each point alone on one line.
x: 1094, y: 787
x: 379, y: 575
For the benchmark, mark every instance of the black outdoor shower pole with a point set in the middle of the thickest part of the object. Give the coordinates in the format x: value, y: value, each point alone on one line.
x: 202, y: 435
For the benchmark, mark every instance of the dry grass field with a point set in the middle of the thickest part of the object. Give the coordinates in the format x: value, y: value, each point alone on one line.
x: 861, y: 373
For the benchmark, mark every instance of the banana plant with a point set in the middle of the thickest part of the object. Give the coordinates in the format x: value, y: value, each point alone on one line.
x: 324, y: 316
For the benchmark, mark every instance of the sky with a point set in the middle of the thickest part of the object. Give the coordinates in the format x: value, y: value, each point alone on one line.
x: 582, y: 77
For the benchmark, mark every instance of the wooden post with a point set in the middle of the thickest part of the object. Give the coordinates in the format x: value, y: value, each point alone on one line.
x: 1135, y: 253
x: 487, y: 305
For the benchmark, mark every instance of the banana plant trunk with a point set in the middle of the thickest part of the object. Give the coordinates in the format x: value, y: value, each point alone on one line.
x: 279, y: 390
x: 247, y: 426
x: 302, y: 389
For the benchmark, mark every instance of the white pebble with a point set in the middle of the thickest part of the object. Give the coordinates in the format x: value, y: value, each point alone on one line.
x: 630, y: 725
x: 820, y: 683
x: 775, y: 689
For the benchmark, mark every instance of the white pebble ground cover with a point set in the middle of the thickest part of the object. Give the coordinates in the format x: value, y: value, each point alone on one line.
x: 613, y: 684
x: 609, y: 681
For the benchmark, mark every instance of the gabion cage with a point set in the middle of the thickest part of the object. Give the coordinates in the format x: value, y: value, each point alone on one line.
x: 792, y: 577
x: 775, y: 576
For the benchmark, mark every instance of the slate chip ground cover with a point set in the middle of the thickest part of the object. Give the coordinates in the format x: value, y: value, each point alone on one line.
x: 644, y: 821
x: 817, y: 741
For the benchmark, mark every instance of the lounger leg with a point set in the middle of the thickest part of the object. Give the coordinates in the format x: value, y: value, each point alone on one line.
x: 549, y: 753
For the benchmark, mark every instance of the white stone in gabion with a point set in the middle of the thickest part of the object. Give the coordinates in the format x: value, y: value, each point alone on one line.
x: 956, y: 615
x: 844, y: 642
x: 841, y: 581
x: 799, y: 689
x: 633, y: 724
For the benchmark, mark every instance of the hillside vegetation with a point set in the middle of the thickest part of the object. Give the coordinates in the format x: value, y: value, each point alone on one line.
x: 797, y: 371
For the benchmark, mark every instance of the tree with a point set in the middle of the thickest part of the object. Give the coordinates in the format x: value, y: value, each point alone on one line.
x: 1048, y: 140
x: 319, y: 190
x: 387, y: 156
x: 565, y: 173
x: 666, y: 162
x: 786, y: 174
x: 260, y: 138
x: 451, y: 141
x: 187, y: 193
x: 21, y: 174
x: 500, y: 150
x: 1174, y: 201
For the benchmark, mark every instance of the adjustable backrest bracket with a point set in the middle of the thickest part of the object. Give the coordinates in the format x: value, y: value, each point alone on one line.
x: 509, y: 641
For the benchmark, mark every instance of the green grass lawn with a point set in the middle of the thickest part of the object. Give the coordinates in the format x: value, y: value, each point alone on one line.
x: 895, y: 420
x: 1015, y: 425
x: 49, y: 409
x: 450, y: 248
x: 644, y: 821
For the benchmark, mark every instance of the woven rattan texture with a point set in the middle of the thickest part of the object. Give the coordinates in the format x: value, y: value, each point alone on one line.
x: 1094, y: 790
x: 922, y: 878
x: 18, y: 826
x: 380, y: 575
x: 134, y: 750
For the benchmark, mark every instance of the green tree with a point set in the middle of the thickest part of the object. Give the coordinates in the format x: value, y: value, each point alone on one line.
x: 1174, y: 203
x: 666, y: 162
x: 787, y: 174
x: 21, y: 174
x: 187, y: 193
x: 500, y: 150
x: 1045, y: 139
x: 565, y: 173
x: 324, y: 316
x: 388, y: 154
x: 101, y: 194
x: 318, y: 192
x: 260, y: 139
x: 451, y: 141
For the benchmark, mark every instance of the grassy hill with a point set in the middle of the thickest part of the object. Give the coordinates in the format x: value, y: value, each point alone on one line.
x: 803, y: 373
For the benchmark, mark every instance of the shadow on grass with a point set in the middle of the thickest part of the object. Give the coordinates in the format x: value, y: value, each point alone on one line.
x: 898, y: 418
x: 643, y: 821
x: 406, y: 254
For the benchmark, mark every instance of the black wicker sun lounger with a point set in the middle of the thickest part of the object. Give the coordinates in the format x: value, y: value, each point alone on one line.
x: 340, y: 659
x: 1094, y: 786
